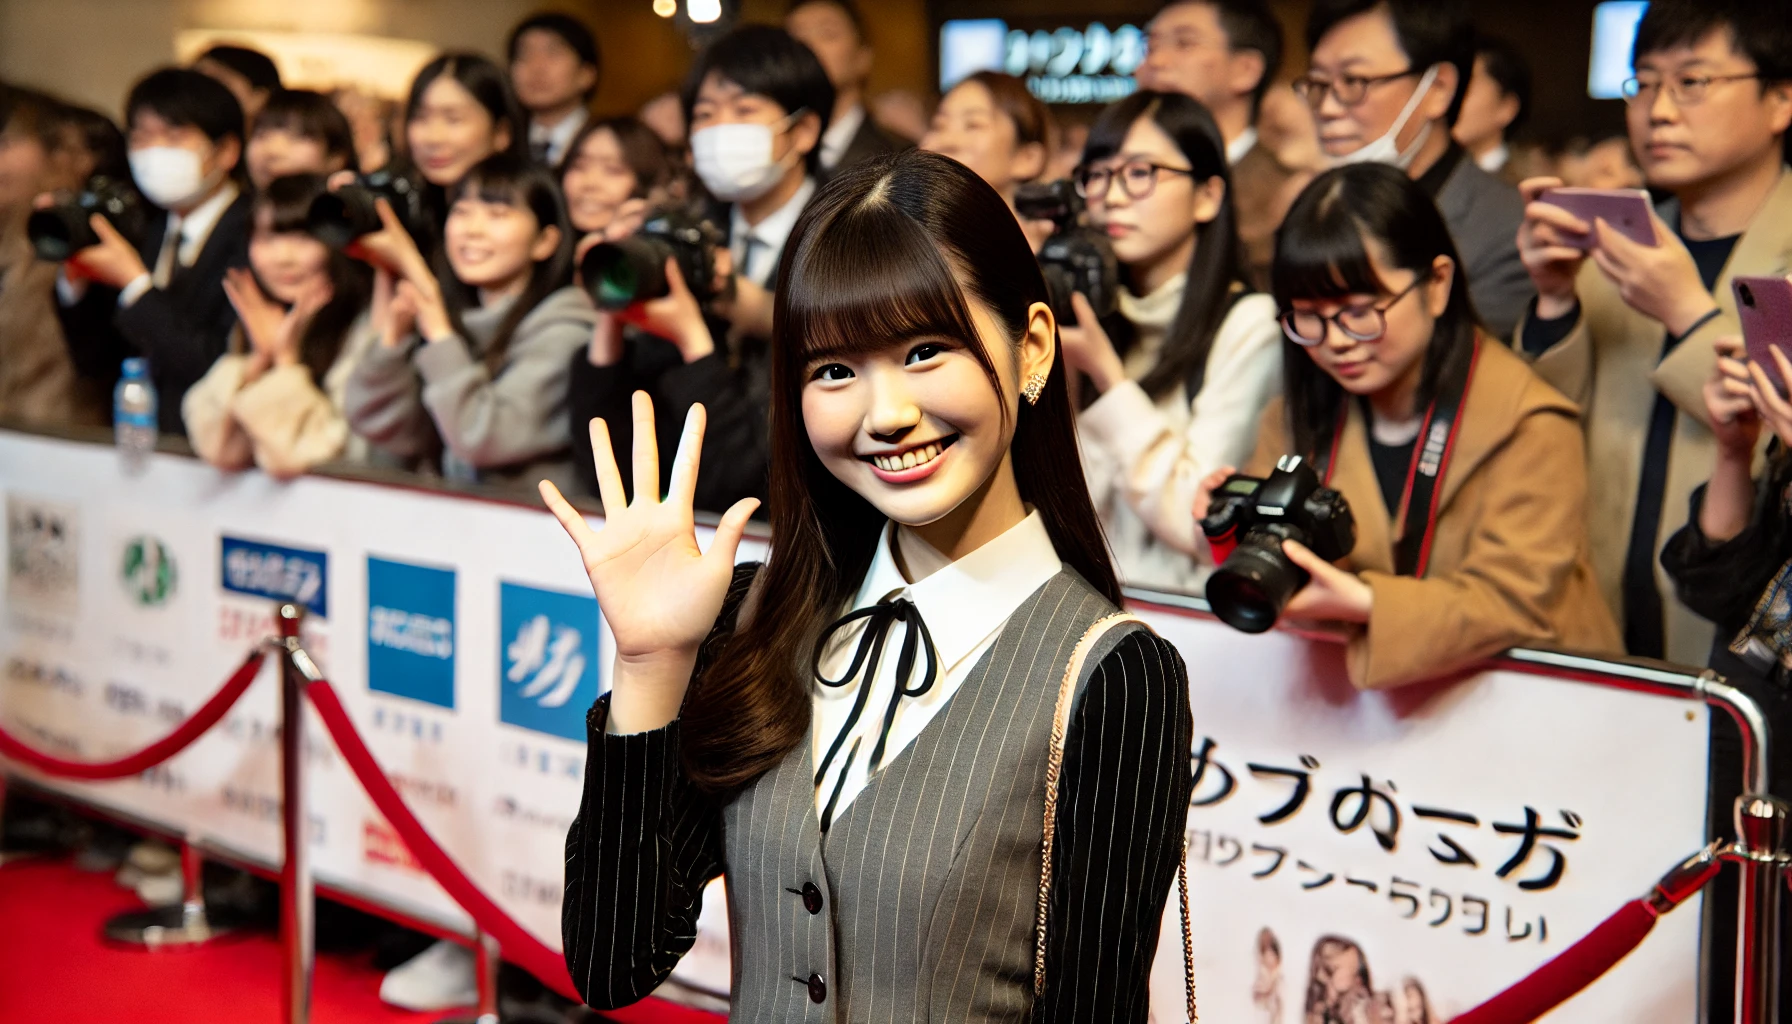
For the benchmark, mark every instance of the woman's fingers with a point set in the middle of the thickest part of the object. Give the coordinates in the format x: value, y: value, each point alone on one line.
x: 683, y: 489
x: 570, y: 520
x: 647, y: 451
x: 730, y: 530
x: 603, y: 460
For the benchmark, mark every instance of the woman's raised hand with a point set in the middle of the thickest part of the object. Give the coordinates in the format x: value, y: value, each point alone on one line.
x: 659, y: 592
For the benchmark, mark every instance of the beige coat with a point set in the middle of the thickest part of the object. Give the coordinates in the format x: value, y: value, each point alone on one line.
x: 38, y: 383
x: 282, y: 421
x: 1509, y: 561
x: 1609, y: 365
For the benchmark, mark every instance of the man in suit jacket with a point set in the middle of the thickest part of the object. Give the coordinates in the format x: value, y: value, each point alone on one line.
x: 1627, y: 329
x: 1225, y: 53
x: 1385, y: 84
x: 1495, y: 106
x: 555, y: 65
x: 161, y: 296
x: 835, y: 30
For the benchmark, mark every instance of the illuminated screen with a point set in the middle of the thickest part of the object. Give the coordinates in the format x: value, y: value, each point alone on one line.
x: 1060, y: 64
x: 1614, y: 33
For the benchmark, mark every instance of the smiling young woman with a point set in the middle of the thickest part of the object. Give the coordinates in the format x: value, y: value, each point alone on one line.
x: 927, y: 494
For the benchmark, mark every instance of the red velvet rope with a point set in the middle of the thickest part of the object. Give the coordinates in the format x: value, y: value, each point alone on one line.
x: 1574, y: 969
x: 519, y: 947
x: 161, y: 750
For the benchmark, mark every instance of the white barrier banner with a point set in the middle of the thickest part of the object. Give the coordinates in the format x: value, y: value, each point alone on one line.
x: 1341, y: 843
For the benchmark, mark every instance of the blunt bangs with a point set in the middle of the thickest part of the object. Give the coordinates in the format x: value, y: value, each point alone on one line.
x: 1323, y: 257
x: 882, y: 281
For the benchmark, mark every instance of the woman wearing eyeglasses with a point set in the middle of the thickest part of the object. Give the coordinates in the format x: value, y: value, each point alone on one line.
x: 1184, y: 370
x: 1463, y: 469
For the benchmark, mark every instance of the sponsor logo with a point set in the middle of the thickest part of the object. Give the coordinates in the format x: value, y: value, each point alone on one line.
x: 277, y: 573
x: 547, y: 662
x: 380, y: 844
x: 131, y: 700
x: 43, y: 544
x: 410, y: 631
x: 148, y: 571
x: 415, y: 790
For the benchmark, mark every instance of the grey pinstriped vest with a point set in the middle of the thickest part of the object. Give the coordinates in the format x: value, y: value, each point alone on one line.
x: 930, y: 877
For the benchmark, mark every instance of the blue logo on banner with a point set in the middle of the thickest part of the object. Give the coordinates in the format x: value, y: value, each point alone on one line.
x: 277, y: 573
x: 547, y: 659
x: 410, y: 631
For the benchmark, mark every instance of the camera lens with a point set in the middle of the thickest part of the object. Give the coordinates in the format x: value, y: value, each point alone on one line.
x: 1747, y: 294
x: 58, y: 232
x: 1250, y: 590
x: 619, y: 274
x: 338, y: 218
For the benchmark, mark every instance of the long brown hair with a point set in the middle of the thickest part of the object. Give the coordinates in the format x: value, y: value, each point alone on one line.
x: 888, y: 251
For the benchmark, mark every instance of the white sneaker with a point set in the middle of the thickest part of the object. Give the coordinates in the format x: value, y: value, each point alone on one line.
x: 439, y: 978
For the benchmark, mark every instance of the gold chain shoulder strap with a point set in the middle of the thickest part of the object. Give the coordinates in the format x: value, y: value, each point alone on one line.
x: 1054, y: 770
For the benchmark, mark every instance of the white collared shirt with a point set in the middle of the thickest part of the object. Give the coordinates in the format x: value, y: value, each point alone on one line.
x: 559, y: 136
x: 770, y: 233
x: 1494, y: 160
x: 194, y: 230
x: 839, y: 136
x: 964, y: 605
x: 1237, y: 148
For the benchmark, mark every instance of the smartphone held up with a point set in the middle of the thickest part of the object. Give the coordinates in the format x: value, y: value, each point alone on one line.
x: 1764, y: 306
x: 1624, y: 210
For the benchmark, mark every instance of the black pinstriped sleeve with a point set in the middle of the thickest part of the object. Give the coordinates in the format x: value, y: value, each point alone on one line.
x: 644, y: 844
x: 1122, y: 807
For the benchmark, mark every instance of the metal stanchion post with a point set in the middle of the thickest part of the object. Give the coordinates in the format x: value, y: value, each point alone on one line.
x: 1760, y: 849
x: 296, y: 902
x: 486, y: 957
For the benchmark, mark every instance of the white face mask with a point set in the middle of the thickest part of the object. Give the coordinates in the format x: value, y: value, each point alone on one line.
x: 1386, y: 149
x: 169, y: 176
x: 735, y: 160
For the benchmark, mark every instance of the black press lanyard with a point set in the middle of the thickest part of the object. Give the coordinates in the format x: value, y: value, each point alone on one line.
x: 1430, y: 458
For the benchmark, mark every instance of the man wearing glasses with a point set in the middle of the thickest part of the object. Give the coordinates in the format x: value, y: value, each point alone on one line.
x: 1627, y: 329
x: 1385, y: 85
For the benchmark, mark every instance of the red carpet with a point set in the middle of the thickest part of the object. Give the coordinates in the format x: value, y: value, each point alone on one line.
x: 55, y: 970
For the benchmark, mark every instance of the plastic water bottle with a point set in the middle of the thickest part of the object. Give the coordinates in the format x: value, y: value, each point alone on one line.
x: 134, y: 415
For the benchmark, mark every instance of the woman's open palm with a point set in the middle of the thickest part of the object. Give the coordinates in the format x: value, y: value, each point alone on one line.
x: 660, y: 593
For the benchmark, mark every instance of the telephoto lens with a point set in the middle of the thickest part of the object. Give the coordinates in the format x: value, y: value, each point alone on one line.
x: 621, y: 273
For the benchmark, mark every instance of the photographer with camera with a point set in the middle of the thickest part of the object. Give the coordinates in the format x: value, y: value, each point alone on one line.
x: 990, y: 123
x: 474, y: 344
x: 1196, y: 357
x: 38, y: 383
x: 275, y: 399
x: 157, y: 289
x: 1463, y: 471
x: 698, y: 300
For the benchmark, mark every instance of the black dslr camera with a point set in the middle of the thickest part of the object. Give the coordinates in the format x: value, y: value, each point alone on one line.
x: 58, y: 232
x: 338, y: 218
x: 1075, y: 258
x: 619, y: 274
x: 1246, y: 525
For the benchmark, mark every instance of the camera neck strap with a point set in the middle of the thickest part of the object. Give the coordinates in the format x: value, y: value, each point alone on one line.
x: 1430, y: 459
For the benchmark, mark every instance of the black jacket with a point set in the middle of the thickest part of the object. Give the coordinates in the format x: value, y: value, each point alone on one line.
x: 181, y: 329
x: 868, y: 143
x: 735, y: 389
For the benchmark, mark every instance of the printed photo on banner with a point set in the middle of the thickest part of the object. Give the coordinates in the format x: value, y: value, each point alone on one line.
x: 43, y: 543
x: 410, y: 631
x: 547, y: 659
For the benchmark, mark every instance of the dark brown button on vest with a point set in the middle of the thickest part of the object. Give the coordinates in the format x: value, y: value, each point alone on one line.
x: 818, y: 989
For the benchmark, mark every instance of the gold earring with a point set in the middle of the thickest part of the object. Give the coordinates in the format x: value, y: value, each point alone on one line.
x: 1035, y: 387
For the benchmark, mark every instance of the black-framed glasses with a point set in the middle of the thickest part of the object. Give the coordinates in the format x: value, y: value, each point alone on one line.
x: 1349, y: 89
x: 1686, y: 90
x: 1359, y: 323
x: 1138, y: 178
